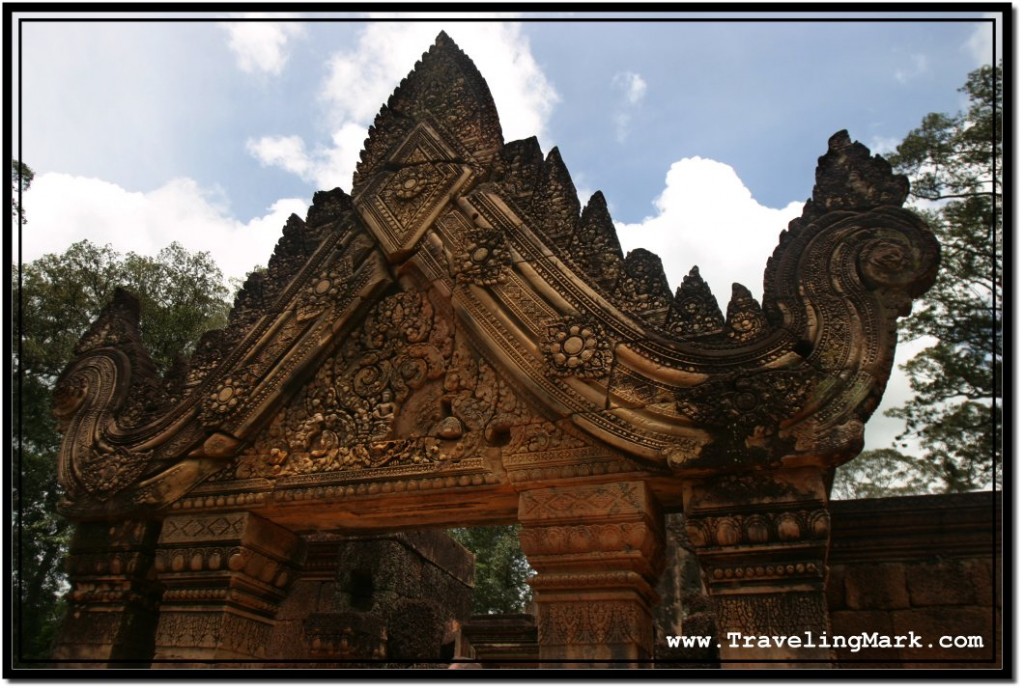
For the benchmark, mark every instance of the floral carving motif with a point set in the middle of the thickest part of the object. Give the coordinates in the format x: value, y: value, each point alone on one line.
x: 105, y: 474
x: 485, y: 259
x: 325, y: 289
x: 568, y: 623
x: 409, y: 184
x: 225, y: 398
x: 577, y: 348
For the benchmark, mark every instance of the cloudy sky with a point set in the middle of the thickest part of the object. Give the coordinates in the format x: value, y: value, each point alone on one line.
x: 702, y: 131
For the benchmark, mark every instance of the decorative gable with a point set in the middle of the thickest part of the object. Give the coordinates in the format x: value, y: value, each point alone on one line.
x: 458, y: 331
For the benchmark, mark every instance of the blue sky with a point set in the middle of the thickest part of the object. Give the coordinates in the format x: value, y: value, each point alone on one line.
x: 703, y: 135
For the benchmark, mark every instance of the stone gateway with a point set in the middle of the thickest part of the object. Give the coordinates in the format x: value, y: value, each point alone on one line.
x: 457, y: 343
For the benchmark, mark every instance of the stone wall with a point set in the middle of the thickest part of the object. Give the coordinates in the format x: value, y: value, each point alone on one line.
x: 394, y: 597
x: 928, y: 564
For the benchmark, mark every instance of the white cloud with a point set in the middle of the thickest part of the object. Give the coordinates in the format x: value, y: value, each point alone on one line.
x: 706, y: 216
x: 979, y: 45
x: 63, y: 209
x: 261, y: 46
x: 327, y: 166
x: 286, y: 152
x: 918, y: 66
x: 359, y: 82
x: 632, y: 87
x: 883, y: 145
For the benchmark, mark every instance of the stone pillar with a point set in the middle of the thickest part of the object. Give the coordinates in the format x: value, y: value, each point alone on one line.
x: 113, y: 601
x: 762, y: 541
x: 597, y: 551
x: 224, y: 577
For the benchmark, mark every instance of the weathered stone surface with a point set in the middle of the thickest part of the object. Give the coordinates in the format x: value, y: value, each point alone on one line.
x: 497, y: 640
x: 933, y: 623
x: 597, y: 551
x: 113, y: 602
x: 879, y: 586
x: 762, y: 545
x: 457, y: 343
x: 950, y: 583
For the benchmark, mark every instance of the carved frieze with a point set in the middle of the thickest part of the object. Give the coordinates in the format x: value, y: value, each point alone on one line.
x: 224, y: 577
x: 566, y: 623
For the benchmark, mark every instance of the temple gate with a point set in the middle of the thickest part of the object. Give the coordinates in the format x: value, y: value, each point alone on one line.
x: 458, y: 343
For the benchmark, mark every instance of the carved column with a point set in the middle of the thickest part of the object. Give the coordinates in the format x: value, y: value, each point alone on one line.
x: 112, y: 604
x: 597, y: 552
x: 762, y: 541
x: 224, y: 577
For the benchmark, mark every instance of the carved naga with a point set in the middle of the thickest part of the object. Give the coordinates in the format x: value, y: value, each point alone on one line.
x: 455, y: 245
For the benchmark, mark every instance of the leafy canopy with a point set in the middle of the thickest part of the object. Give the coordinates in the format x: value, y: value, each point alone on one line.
x: 55, y: 299
x: 955, y: 164
x: 501, y: 569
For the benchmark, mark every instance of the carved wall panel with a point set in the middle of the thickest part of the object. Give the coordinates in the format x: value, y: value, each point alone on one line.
x: 597, y: 551
x: 763, y: 546
x: 224, y: 577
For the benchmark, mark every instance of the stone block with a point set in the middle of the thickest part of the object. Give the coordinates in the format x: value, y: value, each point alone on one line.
x: 952, y: 582
x: 934, y: 623
x: 854, y: 623
x: 835, y: 590
x: 300, y: 601
x: 876, y: 586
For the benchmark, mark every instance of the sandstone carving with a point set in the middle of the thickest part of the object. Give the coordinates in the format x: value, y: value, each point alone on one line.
x: 456, y: 341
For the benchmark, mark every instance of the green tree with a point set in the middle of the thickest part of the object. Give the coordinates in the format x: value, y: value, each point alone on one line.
x: 501, y: 569
x: 955, y: 164
x: 21, y: 180
x: 55, y: 299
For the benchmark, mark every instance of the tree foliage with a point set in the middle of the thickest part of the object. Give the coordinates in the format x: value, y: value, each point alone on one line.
x: 955, y: 165
x: 501, y: 569
x: 55, y: 299
x: 21, y: 180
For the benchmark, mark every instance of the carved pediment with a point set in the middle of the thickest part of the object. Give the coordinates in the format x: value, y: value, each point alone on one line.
x: 459, y: 322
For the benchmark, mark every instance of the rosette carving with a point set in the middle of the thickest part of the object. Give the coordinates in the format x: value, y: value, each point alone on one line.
x: 577, y: 348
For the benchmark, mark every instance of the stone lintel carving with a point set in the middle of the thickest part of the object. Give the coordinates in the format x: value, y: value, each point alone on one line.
x: 224, y: 576
x: 762, y: 543
x: 597, y: 551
